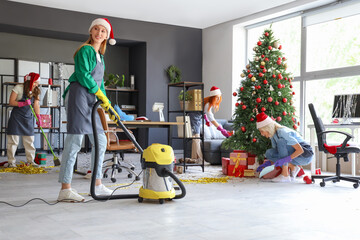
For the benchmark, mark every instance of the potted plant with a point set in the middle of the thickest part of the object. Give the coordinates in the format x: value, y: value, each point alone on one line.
x: 114, y: 80
x: 188, y: 97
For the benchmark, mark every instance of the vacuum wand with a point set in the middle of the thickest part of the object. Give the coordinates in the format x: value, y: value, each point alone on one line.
x: 56, y: 159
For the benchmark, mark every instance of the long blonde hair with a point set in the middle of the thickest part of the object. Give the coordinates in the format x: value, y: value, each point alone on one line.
x: 88, y: 43
x: 271, y: 128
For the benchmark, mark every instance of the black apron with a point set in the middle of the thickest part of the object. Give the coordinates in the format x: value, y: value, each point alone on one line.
x: 21, y: 121
x: 80, y: 104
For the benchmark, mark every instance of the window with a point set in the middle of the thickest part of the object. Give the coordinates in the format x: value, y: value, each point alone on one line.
x: 333, y: 44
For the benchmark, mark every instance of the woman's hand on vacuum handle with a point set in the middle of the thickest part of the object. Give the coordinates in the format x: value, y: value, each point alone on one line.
x: 223, y: 131
x: 208, y: 123
x: 25, y: 103
x: 107, y: 106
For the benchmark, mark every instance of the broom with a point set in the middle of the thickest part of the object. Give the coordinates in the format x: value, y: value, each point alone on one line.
x: 56, y: 159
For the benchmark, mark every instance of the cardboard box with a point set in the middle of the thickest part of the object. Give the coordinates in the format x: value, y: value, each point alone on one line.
x: 225, y: 163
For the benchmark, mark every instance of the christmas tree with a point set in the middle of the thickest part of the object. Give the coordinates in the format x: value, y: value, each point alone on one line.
x: 265, y: 87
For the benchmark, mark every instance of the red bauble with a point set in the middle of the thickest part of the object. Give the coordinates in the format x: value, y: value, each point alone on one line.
x: 243, y: 129
x: 248, y: 71
x: 252, y: 119
x: 262, y: 66
x: 261, y: 74
x: 263, y: 109
x: 234, y: 94
x: 270, y: 47
x: 265, y: 81
x: 280, y: 47
x: 278, y: 62
x: 278, y: 119
x: 295, y: 127
x: 242, y: 89
x: 258, y: 100
x: 266, y: 59
x: 237, y: 104
x: 298, y: 123
x: 243, y: 107
x: 250, y: 75
x: 279, y: 85
x: 262, y: 55
x: 264, y: 70
x: 276, y: 103
x: 284, y: 100
x: 283, y: 58
x: 241, y: 103
x: 280, y: 76
x: 284, y: 113
x: 266, y: 34
x: 259, y: 43
x: 258, y: 87
x: 293, y: 93
x: 269, y: 99
x: 254, y: 140
x: 291, y: 86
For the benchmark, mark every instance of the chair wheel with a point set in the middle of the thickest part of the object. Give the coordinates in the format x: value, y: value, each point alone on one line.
x: 137, y: 178
x: 322, y: 184
x: 113, y: 179
x: 105, y: 175
x: 161, y: 201
x: 356, y: 185
x: 129, y: 175
x: 334, y: 181
x: 132, y: 168
x: 119, y: 170
x: 140, y: 199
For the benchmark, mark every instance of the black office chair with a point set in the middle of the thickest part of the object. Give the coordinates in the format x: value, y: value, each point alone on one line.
x: 339, y: 151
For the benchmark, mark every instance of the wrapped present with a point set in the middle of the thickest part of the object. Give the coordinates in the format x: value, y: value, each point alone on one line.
x: 238, y: 161
x: 237, y: 171
x: 238, y: 154
x: 45, y: 120
x: 253, y: 166
x: 251, y: 160
x: 40, y: 158
x: 249, y: 173
x: 225, y: 163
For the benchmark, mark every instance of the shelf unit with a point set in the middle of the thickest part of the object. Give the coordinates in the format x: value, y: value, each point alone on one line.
x: 185, y: 86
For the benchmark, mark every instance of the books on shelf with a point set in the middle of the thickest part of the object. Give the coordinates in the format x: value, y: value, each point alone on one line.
x: 197, y: 102
x: 188, y: 132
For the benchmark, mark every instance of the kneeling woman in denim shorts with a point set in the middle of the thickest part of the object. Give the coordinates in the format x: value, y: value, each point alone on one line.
x: 287, y: 151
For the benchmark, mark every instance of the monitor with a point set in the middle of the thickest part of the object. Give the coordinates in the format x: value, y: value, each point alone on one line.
x: 346, y: 106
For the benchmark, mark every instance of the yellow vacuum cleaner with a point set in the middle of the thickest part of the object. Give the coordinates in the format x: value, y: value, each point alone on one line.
x: 157, y: 162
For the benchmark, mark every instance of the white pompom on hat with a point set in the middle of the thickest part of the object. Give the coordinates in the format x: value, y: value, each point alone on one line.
x: 106, y: 23
x: 262, y: 120
x: 214, y: 91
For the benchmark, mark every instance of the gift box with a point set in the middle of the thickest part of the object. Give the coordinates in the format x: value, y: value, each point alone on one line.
x: 238, y: 154
x: 249, y: 173
x: 251, y: 160
x: 252, y: 166
x: 45, y: 120
x: 236, y: 171
x: 225, y: 163
x: 238, y: 161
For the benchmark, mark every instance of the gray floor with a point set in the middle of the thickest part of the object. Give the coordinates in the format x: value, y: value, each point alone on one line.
x: 239, y: 209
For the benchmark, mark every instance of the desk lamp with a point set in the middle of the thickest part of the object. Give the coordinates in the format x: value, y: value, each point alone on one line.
x: 159, y: 107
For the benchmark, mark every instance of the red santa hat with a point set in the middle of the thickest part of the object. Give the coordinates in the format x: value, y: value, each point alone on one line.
x: 105, y: 23
x: 262, y: 120
x: 32, y: 77
x: 214, y: 91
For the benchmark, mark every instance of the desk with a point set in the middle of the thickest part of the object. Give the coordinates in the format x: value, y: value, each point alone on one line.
x: 352, y: 127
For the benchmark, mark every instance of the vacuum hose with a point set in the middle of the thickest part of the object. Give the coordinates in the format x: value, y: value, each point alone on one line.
x: 96, y: 162
x: 181, y: 185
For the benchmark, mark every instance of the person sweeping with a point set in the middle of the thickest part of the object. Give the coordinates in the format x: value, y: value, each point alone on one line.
x: 21, y: 121
x: 86, y: 84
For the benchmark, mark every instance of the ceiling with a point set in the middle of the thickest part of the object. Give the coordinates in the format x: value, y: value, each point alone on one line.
x: 188, y: 13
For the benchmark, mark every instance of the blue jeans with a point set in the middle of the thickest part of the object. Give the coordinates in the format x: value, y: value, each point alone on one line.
x: 71, y: 149
x: 284, y: 150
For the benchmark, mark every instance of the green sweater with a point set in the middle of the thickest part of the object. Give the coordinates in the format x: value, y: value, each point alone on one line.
x: 85, y: 62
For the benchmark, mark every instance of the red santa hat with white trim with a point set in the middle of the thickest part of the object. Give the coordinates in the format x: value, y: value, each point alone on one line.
x: 262, y: 120
x: 214, y: 91
x: 32, y: 77
x: 106, y: 23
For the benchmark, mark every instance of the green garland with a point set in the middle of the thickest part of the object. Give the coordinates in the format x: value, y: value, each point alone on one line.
x: 174, y: 74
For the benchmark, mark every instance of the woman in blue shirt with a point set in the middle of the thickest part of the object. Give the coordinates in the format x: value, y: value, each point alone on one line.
x: 287, y: 151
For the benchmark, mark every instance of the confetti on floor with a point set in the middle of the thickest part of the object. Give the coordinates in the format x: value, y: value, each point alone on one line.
x: 23, y: 169
x: 206, y: 180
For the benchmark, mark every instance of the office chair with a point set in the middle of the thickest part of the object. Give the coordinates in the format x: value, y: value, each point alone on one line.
x: 116, y: 147
x: 339, y: 151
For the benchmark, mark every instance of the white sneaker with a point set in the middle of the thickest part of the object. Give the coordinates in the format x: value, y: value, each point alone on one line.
x: 281, y: 179
x: 11, y: 165
x: 294, y: 173
x: 69, y: 195
x: 101, y: 190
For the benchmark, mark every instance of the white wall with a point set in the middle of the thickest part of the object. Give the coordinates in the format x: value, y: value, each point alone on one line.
x: 224, y: 51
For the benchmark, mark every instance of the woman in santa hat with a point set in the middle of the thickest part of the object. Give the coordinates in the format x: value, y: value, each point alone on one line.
x: 211, y: 105
x: 21, y: 121
x: 286, y: 152
x: 86, y: 84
